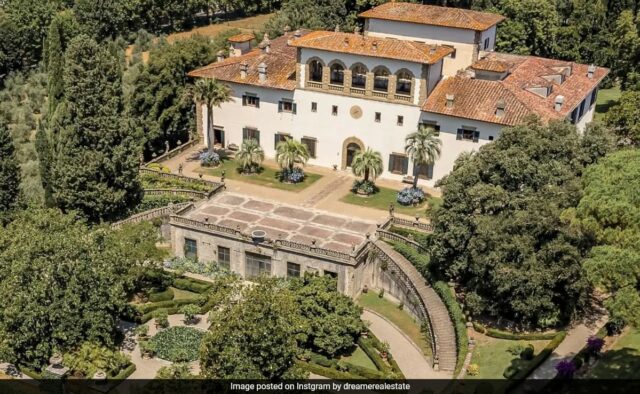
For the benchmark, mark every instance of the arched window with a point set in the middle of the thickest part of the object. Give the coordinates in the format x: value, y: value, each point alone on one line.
x: 315, y: 71
x: 404, y: 81
x: 337, y: 74
x: 381, y: 79
x: 359, y: 76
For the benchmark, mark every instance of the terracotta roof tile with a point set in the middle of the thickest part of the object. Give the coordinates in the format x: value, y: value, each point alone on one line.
x: 434, y: 15
x: 280, y: 61
x: 490, y: 65
x: 373, y: 46
x: 476, y: 98
x: 242, y: 37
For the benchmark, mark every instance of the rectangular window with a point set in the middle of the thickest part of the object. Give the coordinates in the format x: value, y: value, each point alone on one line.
x: 314, y: 107
x: 293, y: 270
x: 334, y: 110
x: 257, y: 265
x: 224, y: 257
x: 311, y: 145
x: 250, y: 100
x: 190, y: 249
x: 425, y: 172
x: 280, y: 137
x: 378, y: 117
x: 400, y: 120
x: 286, y: 105
x: 486, y: 43
x: 594, y: 97
x: 250, y: 133
x: 331, y: 274
x: 468, y: 135
x: 398, y: 164
x: 430, y: 124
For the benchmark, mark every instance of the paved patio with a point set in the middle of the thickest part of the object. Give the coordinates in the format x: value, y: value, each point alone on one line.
x: 283, y: 221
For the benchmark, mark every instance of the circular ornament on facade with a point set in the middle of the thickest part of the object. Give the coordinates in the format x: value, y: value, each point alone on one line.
x: 356, y: 112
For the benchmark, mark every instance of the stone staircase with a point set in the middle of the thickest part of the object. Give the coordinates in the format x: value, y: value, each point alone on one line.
x: 443, y: 330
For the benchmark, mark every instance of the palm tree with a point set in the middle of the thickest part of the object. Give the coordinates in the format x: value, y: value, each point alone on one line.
x: 367, y: 164
x: 423, y: 148
x: 250, y: 155
x: 211, y: 93
x: 291, y: 152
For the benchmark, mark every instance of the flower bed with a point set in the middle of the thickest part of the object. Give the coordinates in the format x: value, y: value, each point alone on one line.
x: 292, y: 176
x: 178, y: 344
x: 363, y: 187
x: 209, y: 159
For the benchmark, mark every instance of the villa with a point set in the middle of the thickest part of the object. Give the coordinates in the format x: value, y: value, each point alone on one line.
x: 414, y: 64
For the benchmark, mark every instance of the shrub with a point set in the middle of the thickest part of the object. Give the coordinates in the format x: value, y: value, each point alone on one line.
x: 419, y: 260
x: 292, y: 176
x: 326, y: 372
x: 159, y: 167
x: 165, y: 295
x: 162, y: 318
x: 204, y: 268
x: 414, y: 235
x: 473, y: 369
x: 178, y: 344
x: 142, y: 330
x: 527, y: 353
x: 193, y: 285
x: 364, y: 187
x: 410, y: 196
x: 516, y: 349
x: 594, y: 345
x: 566, y: 369
x: 190, y: 311
x: 381, y: 294
x: 92, y: 357
x: 540, y: 357
x: 510, y: 371
x: 209, y: 159
x: 495, y: 333
x: 615, y: 326
x: 147, y: 347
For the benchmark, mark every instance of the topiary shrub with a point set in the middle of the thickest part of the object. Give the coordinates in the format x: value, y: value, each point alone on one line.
x: 157, y: 296
x: 410, y: 196
x: 178, y: 344
x: 162, y: 318
x: 473, y: 369
x: 209, y: 159
x: 527, y: 353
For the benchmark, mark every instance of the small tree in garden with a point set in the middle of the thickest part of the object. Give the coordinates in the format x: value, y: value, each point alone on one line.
x: 423, y: 148
x: 190, y: 311
x: 9, y: 171
x: 211, y: 93
x: 594, y: 345
x: 291, y: 152
x: 250, y: 156
x: 367, y: 164
x: 162, y: 318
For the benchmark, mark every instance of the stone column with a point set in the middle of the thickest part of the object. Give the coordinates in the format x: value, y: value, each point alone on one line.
x: 326, y: 71
x: 369, y: 85
x: 393, y: 80
x: 199, y: 123
x: 347, y: 81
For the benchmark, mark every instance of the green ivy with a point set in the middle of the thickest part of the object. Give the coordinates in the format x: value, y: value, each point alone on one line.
x: 178, y: 344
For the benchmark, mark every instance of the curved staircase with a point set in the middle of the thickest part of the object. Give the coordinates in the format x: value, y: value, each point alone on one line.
x: 442, y: 330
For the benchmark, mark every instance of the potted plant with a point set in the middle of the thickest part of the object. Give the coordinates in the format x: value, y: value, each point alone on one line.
x: 142, y: 331
x: 162, y: 318
x: 384, y: 350
x: 147, y: 349
x: 190, y: 311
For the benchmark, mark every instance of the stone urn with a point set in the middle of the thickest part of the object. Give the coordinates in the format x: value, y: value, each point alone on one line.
x: 100, y: 376
x: 56, y: 360
x: 365, y: 289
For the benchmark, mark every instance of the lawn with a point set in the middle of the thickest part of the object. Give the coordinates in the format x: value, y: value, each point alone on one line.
x: 183, y: 294
x: 382, y: 199
x: 397, y: 316
x: 493, y: 357
x: 360, y: 358
x: 607, y: 98
x: 622, y: 361
x: 268, y: 177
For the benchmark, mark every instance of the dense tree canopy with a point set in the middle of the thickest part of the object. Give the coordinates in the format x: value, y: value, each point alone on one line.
x: 96, y: 154
x: 331, y: 320
x: 9, y: 171
x: 256, y: 337
x: 624, y: 118
x: 609, y: 213
x: 63, y: 284
x: 499, y: 232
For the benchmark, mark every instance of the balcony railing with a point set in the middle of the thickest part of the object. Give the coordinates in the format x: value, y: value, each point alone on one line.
x: 315, y: 85
x: 377, y: 93
x: 337, y: 88
x: 402, y: 97
x: 357, y: 91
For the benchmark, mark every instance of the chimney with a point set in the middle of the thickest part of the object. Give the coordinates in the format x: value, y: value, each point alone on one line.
x: 374, y: 45
x: 337, y: 28
x: 450, y: 98
x: 244, y: 67
x: 346, y: 41
x: 558, y: 102
x: 500, y: 106
x: 590, y: 71
x: 297, y: 33
x: 432, y: 50
x: 220, y: 56
x: 262, y: 71
x: 356, y: 30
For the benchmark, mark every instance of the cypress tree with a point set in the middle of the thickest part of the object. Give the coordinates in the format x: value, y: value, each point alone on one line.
x: 62, y: 28
x: 9, y: 171
x: 96, y: 160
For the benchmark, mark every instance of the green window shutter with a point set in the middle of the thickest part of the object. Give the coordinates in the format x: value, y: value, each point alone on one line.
x: 245, y: 134
x: 257, y: 102
x: 476, y: 136
x: 391, y: 157
x: 430, y: 171
x: 279, y: 106
x: 459, y: 134
x: 244, y: 100
x: 276, y: 139
x: 295, y: 108
x: 257, y: 133
x: 405, y: 165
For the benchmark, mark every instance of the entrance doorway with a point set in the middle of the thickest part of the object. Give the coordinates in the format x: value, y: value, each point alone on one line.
x: 218, y: 137
x: 352, y: 149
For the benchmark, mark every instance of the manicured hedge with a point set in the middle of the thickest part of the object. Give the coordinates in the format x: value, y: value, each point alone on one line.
x: 500, y: 334
x: 457, y: 317
x: 417, y: 236
x: 125, y: 373
x: 326, y: 372
x: 419, y: 260
x: 193, y: 285
x: 539, y: 358
x: 158, y: 296
x: 371, y: 346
